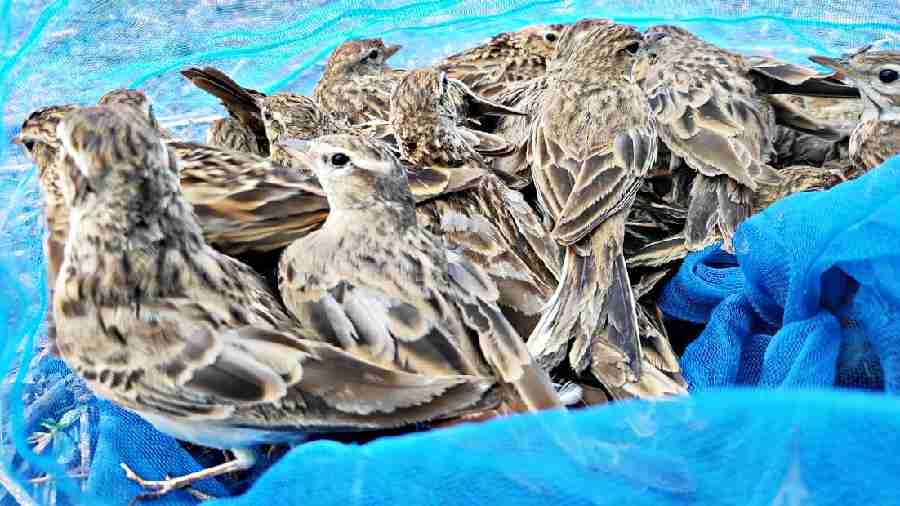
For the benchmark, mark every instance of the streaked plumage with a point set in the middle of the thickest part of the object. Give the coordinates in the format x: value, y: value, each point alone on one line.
x: 490, y: 223
x: 155, y: 320
x: 592, y: 142
x: 357, y: 83
x: 138, y: 100
x: 877, y: 75
x: 509, y: 57
x: 713, y: 114
x: 382, y: 288
x: 229, y: 133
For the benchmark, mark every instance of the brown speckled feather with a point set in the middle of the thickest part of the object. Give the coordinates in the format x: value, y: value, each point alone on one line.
x: 505, y: 59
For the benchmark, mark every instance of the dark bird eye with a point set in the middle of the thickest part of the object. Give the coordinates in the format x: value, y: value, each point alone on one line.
x: 633, y: 48
x: 373, y: 54
x: 888, y: 76
x: 267, y: 115
x: 339, y: 159
x: 411, y: 146
x: 551, y: 37
x: 29, y: 145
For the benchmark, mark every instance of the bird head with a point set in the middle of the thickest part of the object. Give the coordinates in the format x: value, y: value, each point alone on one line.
x: 360, y: 57
x: 355, y: 172
x: 877, y: 76
x: 40, y: 127
x: 114, y: 158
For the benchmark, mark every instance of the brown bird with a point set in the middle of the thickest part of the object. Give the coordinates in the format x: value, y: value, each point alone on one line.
x: 507, y: 58
x: 258, y: 121
x: 490, y: 223
x: 384, y: 289
x: 357, y: 83
x: 158, y: 322
x: 592, y: 142
x: 877, y: 75
x: 714, y: 115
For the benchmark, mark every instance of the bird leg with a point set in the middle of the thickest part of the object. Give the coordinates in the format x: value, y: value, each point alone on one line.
x: 243, y: 459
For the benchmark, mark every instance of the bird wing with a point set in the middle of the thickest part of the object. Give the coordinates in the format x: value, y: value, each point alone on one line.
x: 185, y: 365
x: 708, y: 110
x: 245, y: 202
x: 381, y: 305
x: 475, y: 297
x: 593, y: 168
x: 240, y: 102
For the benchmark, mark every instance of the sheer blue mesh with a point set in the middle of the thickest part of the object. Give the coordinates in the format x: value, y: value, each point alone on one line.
x: 776, y: 443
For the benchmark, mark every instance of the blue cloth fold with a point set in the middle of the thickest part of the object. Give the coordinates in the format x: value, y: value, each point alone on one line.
x: 811, y: 297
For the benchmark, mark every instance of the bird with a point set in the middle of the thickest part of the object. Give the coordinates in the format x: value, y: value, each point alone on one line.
x: 38, y: 138
x: 592, y: 142
x: 389, y: 291
x: 714, y: 115
x: 490, y: 223
x: 231, y: 134
x: 876, y: 73
x: 507, y: 58
x: 156, y: 321
x: 357, y: 82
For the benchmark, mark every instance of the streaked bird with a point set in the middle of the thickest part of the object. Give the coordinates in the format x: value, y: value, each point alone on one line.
x: 382, y: 288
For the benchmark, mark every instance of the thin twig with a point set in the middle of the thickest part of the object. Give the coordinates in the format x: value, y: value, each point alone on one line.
x: 84, y: 444
x: 47, y: 477
x: 19, y: 494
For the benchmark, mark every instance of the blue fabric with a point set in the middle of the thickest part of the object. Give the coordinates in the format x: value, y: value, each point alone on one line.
x: 811, y: 299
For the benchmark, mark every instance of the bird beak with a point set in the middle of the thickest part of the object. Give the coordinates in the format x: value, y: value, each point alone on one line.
x: 391, y: 50
x: 298, y: 149
x: 837, y: 65
x: 17, y: 140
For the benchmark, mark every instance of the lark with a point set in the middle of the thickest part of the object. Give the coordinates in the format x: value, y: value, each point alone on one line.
x: 386, y: 290
x: 160, y: 323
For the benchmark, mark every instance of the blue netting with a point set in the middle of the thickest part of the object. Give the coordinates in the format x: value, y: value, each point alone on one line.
x: 810, y: 300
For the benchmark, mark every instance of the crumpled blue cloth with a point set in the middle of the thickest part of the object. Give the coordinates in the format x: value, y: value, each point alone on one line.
x: 811, y: 298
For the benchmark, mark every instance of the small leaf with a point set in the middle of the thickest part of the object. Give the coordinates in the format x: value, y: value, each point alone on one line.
x: 70, y: 417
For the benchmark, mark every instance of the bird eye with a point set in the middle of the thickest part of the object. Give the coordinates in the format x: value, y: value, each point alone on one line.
x: 633, y: 48
x: 411, y: 146
x: 339, y: 159
x: 29, y: 145
x: 373, y: 54
x: 888, y: 76
x: 267, y: 115
x: 551, y: 37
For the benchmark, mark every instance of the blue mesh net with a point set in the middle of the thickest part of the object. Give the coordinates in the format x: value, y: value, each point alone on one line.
x: 810, y: 301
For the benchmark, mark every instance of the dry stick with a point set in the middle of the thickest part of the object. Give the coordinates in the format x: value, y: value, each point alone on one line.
x: 47, y: 477
x: 84, y: 444
x: 19, y: 494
